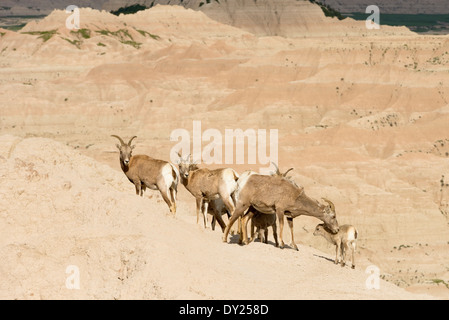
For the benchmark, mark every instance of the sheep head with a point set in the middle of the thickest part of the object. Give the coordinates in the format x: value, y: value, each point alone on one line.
x: 125, y: 150
x: 330, y: 217
x: 186, y: 165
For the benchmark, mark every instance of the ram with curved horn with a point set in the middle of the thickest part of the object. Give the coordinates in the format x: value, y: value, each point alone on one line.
x: 276, y: 194
x: 146, y: 172
x: 278, y: 172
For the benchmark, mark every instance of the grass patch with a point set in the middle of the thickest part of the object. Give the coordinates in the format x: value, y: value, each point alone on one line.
x: 438, y: 281
x: 132, y: 43
x: 122, y: 35
x: 145, y: 33
x: 75, y: 42
x: 100, y: 44
x: 44, y: 35
x: 82, y: 33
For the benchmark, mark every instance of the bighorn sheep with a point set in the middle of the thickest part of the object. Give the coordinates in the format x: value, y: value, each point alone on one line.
x: 216, y: 207
x: 261, y: 222
x: 274, y: 194
x: 278, y: 173
x: 344, y: 239
x: 206, y: 185
x: 146, y: 172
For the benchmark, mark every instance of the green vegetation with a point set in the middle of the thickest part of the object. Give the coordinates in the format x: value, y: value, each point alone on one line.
x: 132, y: 43
x: 438, y: 281
x: 81, y: 33
x: 129, y: 9
x: 123, y: 36
x: 100, y: 44
x: 44, y: 35
x: 145, y: 33
x: 75, y: 42
x: 328, y: 11
x: 121, y: 33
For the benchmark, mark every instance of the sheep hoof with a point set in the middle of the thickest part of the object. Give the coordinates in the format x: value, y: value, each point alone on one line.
x: 353, y: 267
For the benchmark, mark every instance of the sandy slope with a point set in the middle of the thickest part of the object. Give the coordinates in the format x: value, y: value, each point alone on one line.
x: 67, y: 209
x: 362, y: 117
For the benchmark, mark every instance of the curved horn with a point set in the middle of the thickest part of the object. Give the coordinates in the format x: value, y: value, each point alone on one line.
x: 330, y: 204
x: 120, y: 139
x: 285, y: 173
x: 130, y: 140
x: 277, y: 168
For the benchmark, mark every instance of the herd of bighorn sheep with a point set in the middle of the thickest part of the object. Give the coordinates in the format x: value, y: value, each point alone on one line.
x: 262, y: 199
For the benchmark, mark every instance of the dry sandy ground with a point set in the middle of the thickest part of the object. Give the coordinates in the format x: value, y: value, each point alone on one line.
x: 362, y: 117
x: 69, y: 210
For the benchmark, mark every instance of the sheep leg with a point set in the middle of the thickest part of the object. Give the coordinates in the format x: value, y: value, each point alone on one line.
x: 252, y: 231
x: 173, y: 199
x: 280, y: 215
x: 344, y: 247
x: 337, y: 252
x: 142, y: 189
x: 205, y: 207
x: 353, y: 254
x: 213, y: 222
x: 237, y: 213
x: 230, y: 207
x: 164, y: 193
x: 199, y: 205
x: 245, y: 221
x: 217, y: 218
x: 138, y: 186
x: 265, y: 238
x: 275, y: 235
x: 290, y: 224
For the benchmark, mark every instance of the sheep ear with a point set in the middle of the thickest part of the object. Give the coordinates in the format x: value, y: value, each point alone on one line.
x: 118, y: 146
x: 132, y: 147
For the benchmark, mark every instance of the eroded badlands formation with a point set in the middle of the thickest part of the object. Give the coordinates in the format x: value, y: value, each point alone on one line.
x: 361, y: 116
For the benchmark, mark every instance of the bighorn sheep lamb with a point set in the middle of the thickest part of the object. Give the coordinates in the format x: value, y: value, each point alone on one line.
x: 146, y: 172
x: 274, y: 194
x: 261, y: 222
x: 206, y: 185
x: 344, y: 240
